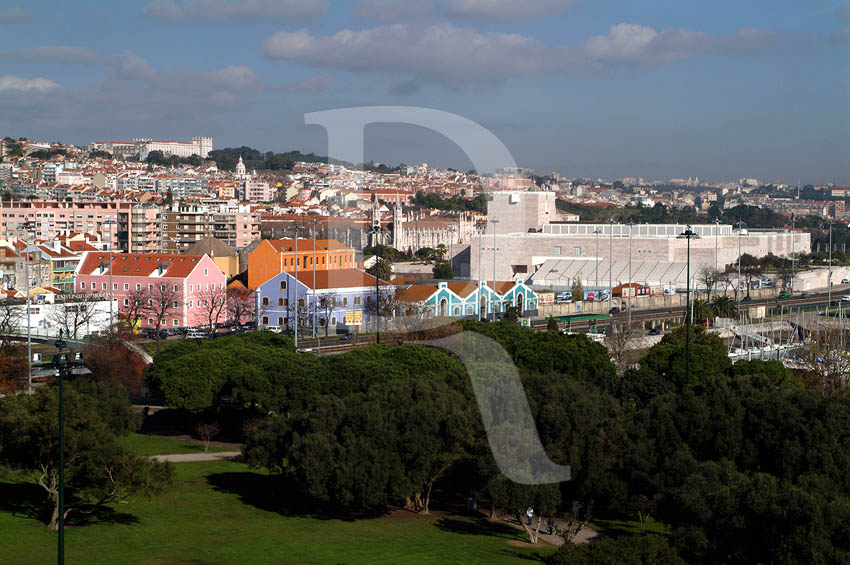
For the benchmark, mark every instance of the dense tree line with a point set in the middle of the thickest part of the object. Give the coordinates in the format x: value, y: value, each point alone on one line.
x: 226, y: 159
x: 454, y: 203
x: 743, y: 462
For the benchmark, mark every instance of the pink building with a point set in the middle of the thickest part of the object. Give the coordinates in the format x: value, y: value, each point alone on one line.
x: 53, y: 217
x: 189, y: 281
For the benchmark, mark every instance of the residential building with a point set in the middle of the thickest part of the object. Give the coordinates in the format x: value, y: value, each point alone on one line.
x: 181, y: 282
x: 343, y: 298
x: 224, y: 256
x: 273, y: 256
x: 469, y: 299
x: 181, y: 225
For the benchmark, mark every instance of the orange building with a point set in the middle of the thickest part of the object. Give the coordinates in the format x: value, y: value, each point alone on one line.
x: 275, y: 256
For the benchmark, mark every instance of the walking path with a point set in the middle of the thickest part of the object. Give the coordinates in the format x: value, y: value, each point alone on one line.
x: 191, y: 457
x: 585, y: 535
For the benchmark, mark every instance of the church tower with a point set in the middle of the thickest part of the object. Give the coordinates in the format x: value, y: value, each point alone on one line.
x: 240, y: 169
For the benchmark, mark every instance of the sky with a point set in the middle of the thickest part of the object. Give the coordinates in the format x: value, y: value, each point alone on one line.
x: 597, y: 88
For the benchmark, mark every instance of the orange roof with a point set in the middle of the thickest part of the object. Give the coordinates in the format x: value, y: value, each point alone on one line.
x: 462, y: 289
x: 141, y: 264
x: 416, y: 293
x: 337, y: 278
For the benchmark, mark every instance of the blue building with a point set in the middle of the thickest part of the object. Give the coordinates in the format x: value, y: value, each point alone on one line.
x: 340, y: 299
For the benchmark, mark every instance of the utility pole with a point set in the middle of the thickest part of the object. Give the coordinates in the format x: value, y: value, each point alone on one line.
x: 315, y: 221
x: 792, y: 247
x: 494, y: 268
x: 296, y: 228
x: 738, y: 285
x: 480, y: 276
x: 376, y: 230
x: 597, y: 231
x: 716, y: 237
x: 110, y: 222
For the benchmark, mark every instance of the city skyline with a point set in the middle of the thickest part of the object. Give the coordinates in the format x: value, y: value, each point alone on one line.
x: 597, y: 90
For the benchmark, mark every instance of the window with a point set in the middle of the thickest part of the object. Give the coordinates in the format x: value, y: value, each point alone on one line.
x: 174, y: 304
x: 206, y: 272
x: 556, y: 250
x: 280, y: 301
x: 150, y: 302
x: 282, y: 285
x: 279, y: 321
x: 457, y: 310
x: 82, y: 285
x: 190, y: 303
x: 150, y: 287
x: 356, y: 300
x: 265, y: 320
x: 174, y: 322
x: 150, y: 321
x: 333, y: 321
x: 576, y: 250
x: 176, y: 288
x: 114, y: 286
x: 301, y: 303
x: 345, y: 301
x: 126, y: 286
x: 191, y: 288
x: 286, y: 302
x: 265, y: 301
x: 126, y: 302
x: 138, y: 286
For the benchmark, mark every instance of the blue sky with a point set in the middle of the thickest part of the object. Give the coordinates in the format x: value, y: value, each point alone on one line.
x: 605, y: 88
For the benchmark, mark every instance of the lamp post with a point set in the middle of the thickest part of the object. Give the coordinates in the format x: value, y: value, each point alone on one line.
x: 688, y: 234
x: 494, y: 268
x: 376, y: 232
x: 597, y: 231
x: 295, y: 228
x: 829, y: 275
x: 480, y: 276
x: 28, y: 226
x: 792, y: 253
x: 738, y: 285
x: 631, y: 290
x: 62, y: 367
x: 110, y: 222
x: 610, y: 260
x: 315, y: 221
x: 716, y: 237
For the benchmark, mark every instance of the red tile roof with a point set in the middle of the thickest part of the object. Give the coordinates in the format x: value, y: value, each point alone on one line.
x: 141, y: 264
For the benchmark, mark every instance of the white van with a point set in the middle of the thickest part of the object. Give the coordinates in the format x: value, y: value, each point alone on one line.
x: 195, y: 333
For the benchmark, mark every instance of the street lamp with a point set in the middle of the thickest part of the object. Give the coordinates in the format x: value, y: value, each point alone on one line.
x: 597, y: 231
x: 829, y: 275
x: 110, y: 222
x: 610, y: 259
x: 28, y: 227
x: 376, y: 233
x: 314, y: 222
x: 688, y: 234
x: 295, y: 228
x: 495, y: 303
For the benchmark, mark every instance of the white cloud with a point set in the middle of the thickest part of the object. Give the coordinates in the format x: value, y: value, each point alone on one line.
x: 644, y: 46
x: 13, y: 15
x: 509, y: 10
x: 441, y: 52
x: 453, y: 55
x: 176, y: 10
x: 15, y: 83
x: 390, y: 10
x: 133, y: 67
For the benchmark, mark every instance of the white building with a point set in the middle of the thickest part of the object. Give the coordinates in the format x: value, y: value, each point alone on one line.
x: 200, y: 146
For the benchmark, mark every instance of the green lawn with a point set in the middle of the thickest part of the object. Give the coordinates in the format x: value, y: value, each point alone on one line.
x: 219, y: 512
x: 617, y: 527
x: 157, y: 445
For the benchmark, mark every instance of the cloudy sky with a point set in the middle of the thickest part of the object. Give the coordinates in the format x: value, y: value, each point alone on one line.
x: 601, y: 88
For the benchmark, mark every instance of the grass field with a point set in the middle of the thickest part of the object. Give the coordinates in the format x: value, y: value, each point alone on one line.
x: 157, y: 445
x: 219, y: 512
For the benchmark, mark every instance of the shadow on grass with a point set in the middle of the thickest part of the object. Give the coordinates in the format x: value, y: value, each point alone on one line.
x: 28, y: 500
x: 270, y: 493
x: 477, y: 527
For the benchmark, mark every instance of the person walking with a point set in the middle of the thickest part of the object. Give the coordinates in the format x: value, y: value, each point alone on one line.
x: 529, y: 513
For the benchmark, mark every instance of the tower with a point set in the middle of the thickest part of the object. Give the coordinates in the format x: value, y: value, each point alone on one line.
x: 240, y: 169
x: 398, y: 228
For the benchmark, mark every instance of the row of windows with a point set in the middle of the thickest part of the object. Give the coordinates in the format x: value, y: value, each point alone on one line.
x: 323, y: 303
x: 176, y: 287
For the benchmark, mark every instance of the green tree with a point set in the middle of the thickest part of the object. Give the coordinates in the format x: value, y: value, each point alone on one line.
x: 624, y: 550
x: 578, y: 291
x: 552, y: 325
x: 97, y: 470
x: 723, y: 306
x: 443, y: 270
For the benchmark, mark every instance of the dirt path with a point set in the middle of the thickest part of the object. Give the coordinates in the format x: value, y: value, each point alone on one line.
x: 191, y: 457
x: 584, y: 536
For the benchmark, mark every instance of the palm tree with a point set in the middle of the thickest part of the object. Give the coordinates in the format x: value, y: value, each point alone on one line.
x: 441, y: 251
x: 701, y: 309
x: 723, y: 307
x: 382, y: 269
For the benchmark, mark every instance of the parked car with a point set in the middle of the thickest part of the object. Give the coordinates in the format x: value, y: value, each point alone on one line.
x: 655, y: 331
x: 845, y: 281
x: 614, y: 310
x: 804, y: 295
x: 195, y: 333
x: 845, y: 298
x: 784, y: 294
x: 746, y: 298
x: 347, y: 337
